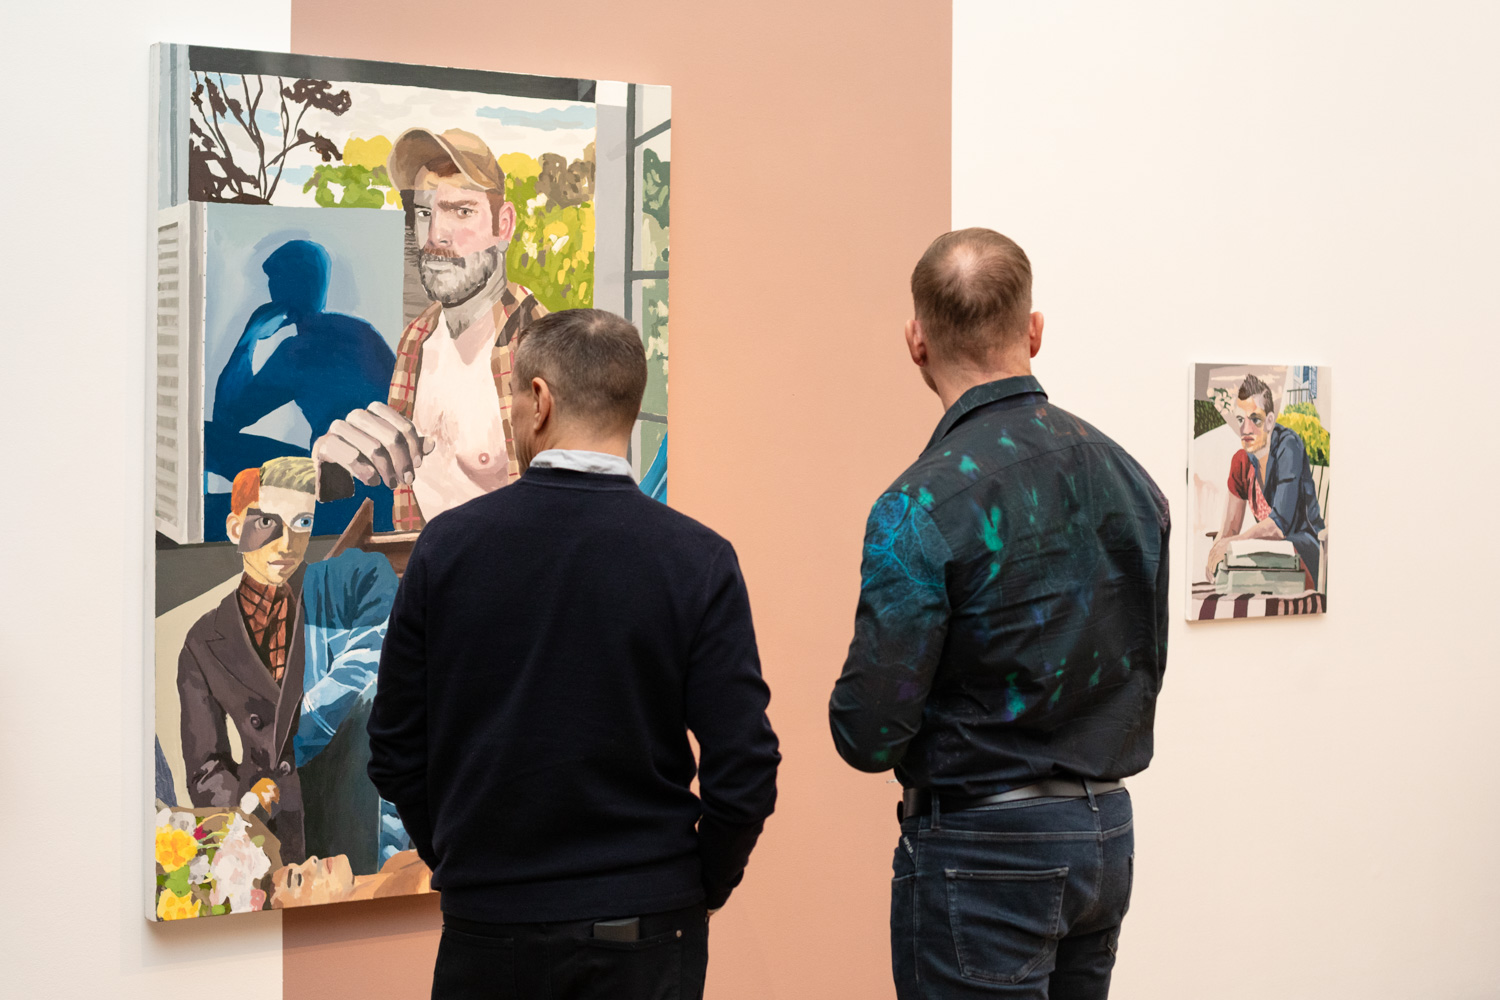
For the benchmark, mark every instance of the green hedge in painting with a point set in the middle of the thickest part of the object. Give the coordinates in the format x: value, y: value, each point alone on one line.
x: 552, y: 251
x: 1303, y: 420
x: 1206, y: 417
x: 361, y: 186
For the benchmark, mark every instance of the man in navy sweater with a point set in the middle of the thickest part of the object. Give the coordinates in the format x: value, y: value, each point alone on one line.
x: 550, y: 648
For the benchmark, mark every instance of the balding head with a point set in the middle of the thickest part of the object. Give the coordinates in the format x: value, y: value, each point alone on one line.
x: 972, y: 293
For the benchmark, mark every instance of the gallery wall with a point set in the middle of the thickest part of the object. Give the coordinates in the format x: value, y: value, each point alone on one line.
x: 74, y: 755
x: 811, y: 146
x: 1302, y: 183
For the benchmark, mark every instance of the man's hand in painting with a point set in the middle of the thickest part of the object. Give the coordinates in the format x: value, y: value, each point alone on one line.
x: 266, y: 321
x: 1216, y: 556
x: 374, y: 444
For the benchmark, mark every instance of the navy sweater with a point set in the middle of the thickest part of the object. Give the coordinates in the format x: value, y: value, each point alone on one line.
x: 550, y: 647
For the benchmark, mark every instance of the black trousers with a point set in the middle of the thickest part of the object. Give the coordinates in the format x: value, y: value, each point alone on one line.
x: 564, y: 961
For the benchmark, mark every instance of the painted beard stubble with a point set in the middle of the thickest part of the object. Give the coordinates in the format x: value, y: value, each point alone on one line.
x: 452, y: 280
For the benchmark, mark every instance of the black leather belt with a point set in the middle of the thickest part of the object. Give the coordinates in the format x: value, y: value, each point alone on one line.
x: 916, y: 801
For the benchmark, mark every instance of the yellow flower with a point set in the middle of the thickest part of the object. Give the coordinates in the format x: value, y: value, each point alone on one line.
x: 170, y: 906
x: 174, y: 847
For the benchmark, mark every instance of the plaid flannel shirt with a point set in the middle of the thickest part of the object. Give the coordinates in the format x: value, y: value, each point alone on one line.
x: 517, y: 307
x: 264, y: 609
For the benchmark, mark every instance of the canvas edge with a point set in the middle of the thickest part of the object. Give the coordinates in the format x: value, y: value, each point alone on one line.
x: 147, y: 745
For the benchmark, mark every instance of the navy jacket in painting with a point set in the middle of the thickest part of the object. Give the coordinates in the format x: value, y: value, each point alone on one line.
x: 1012, y: 621
x: 1292, y: 495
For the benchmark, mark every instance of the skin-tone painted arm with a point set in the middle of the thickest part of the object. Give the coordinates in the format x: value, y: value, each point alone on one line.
x: 1266, y: 530
x: 1234, y: 516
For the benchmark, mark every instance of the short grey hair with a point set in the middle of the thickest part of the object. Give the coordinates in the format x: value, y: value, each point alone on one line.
x: 592, y: 360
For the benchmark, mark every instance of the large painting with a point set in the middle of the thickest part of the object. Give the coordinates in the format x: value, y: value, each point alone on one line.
x: 1258, y: 480
x: 344, y: 254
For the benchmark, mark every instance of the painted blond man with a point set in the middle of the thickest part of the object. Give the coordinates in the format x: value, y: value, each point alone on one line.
x: 285, y: 658
x: 444, y: 435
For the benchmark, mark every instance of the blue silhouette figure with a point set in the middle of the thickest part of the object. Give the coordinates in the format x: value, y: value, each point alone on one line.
x: 334, y: 364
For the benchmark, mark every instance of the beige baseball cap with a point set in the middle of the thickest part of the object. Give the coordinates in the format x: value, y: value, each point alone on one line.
x: 417, y: 147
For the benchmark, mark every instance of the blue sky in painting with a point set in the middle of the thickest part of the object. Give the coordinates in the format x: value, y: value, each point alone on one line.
x: 549, y: 120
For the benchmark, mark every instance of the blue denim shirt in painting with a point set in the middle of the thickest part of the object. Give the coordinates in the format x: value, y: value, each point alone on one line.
x: 1012, y: 620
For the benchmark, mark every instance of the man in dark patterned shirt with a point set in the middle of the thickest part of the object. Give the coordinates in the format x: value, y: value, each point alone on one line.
x: 1008, y: 649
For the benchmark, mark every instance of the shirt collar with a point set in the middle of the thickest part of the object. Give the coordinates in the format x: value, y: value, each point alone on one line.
x: 982, y: 395
x: 582, y: 461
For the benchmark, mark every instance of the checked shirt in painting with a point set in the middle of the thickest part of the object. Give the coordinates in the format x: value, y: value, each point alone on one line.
x: 264, y: 608
x: 517, y: 308
x: 1012, y: 619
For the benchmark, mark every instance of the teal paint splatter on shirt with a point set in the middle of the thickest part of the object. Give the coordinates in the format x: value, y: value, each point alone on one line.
x: 989, y: 529
x: 924, y: 497
x: 969, y: 467
x: 1007, y: 442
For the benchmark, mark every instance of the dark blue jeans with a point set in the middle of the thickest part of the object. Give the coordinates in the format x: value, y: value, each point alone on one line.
x: 1022, y: 900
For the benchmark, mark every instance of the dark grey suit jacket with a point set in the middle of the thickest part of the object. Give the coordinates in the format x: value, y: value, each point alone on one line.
x: 219, y: 674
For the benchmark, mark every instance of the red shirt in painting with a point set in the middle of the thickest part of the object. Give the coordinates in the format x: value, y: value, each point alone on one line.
x: 1245, y: 484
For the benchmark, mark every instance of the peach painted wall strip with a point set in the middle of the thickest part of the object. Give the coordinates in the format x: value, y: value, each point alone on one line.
x: 815, y: 150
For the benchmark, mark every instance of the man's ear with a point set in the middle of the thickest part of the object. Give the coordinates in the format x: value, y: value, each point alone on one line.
x: 542, y: 392
x: 234, y: 524
x: 1034, y: 333
x: 505, y: 225
x: 916, y: 342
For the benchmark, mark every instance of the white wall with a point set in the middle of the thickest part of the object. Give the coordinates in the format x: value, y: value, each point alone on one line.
x: 74, y: 767
x: 1298, y: 182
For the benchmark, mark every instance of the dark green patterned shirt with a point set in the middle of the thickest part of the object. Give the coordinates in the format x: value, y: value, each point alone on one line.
x: 1012, y: 621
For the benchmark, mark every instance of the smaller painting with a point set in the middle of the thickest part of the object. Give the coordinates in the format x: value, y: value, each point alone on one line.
x: 1258, y: 480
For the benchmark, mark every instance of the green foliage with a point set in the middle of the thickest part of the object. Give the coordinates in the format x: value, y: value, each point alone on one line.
x: 177, y: 881
x: 552, y: 251
x: 1310, y: 429
x: 1308, y: 408
x: 656, y: 187
x: 361, y: 186
x: 1206, y: 417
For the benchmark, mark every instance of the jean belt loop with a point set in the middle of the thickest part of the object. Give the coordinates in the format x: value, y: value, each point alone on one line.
x: 937, y: 810
x: 1088, y: 789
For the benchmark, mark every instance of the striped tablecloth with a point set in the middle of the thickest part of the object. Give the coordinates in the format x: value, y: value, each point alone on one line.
x: 1207, y: 605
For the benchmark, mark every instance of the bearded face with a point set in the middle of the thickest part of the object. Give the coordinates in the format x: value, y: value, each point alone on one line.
x: 463, y: 241
x: 452, y: 280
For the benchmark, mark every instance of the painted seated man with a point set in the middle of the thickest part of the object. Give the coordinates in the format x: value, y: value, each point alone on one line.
x: 333, y: 364
x: 1270, y: 477
x: 443, y: 437
x: 276, y: 654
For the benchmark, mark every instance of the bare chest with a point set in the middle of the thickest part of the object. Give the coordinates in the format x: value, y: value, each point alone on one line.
x: 457, y: 413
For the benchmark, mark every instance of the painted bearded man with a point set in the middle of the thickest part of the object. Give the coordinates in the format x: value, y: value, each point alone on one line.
x: 444, y: 437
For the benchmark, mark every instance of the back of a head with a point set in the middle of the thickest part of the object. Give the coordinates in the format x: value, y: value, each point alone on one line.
x: 592, y: 360
x: 972, y: 294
